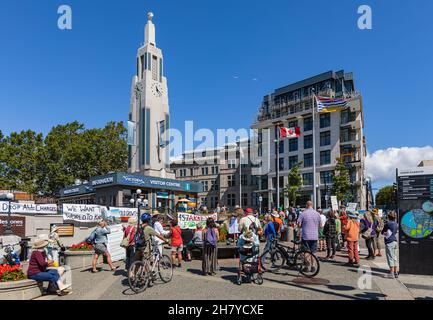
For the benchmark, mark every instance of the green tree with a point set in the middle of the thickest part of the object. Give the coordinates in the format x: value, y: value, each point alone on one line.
x: 341, y: 181
x: 386, y: 197
x: 291, y: 190
x: 20, y: 165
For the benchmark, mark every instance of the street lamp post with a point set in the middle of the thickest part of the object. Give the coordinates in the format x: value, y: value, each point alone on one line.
x: 136, y: 200
x: 8, y: 229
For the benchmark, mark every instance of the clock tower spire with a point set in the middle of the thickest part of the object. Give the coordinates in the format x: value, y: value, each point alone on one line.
x: 150, y: 110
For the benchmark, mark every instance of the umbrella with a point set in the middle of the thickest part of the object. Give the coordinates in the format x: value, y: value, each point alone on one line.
x: 184, y: 200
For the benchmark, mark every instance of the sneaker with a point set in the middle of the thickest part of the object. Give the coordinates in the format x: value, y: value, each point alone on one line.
x: 396, y: 275
x: 389, y: 276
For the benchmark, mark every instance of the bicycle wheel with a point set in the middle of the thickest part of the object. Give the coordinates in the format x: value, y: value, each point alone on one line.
x: 272, y: 260
x: 138, y: 276
x: 258, y: 279
x: 165, y: 269
x: 307, y: 263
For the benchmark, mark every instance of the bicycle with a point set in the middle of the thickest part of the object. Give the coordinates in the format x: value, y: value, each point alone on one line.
x: 300, y: 259
x: 143, y: 273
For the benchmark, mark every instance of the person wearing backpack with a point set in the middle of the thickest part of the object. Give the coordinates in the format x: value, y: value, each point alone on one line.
x: 390, y: 231
x: 249, y: 222
x: 368, y: 231
x: 99, y: 239
x: 128, y: 242
x: 330, y: 234
x: 379, y: 228
x: 210, y: 248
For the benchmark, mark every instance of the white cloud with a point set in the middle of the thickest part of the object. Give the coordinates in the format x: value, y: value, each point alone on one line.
x: 381, y: 164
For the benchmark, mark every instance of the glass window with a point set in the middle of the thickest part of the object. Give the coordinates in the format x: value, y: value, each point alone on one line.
x: 231, y: 199
x: 293, y: 160
x: 281, y: 163
x: 308, y: 160
x: 244, y: 180
x: 325, y: 120
x: 293, y: 144
x: 326, y: 177
x: 325, y: 157
x: 293, y: 124
x: 308, y: 124
x: 308, y: 141
x: 325, y: 138
x: 307, y: 179
x: 231, y: 180
x: 281, y: 147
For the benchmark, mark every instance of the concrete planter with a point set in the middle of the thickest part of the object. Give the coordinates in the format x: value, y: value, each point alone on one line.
x: 20, y: 290
x: 78, y: 259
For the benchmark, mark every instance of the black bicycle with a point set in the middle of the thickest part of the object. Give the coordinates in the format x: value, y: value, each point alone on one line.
x: 297, y: 257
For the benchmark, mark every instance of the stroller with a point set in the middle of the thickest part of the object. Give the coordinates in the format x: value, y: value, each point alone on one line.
x: 250, y: 266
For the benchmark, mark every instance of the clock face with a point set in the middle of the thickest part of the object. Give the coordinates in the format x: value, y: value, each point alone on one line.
x: 157, y: 90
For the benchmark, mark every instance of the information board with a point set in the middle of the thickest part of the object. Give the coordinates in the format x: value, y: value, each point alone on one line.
x: 415, y: 208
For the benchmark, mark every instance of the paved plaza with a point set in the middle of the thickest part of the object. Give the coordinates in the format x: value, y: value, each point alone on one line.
x: 335, y: 281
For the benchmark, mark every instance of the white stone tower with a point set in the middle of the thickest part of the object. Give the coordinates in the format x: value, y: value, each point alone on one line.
x: 149, y: 110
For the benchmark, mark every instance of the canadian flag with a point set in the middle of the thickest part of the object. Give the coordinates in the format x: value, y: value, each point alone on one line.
x: 290, y: 132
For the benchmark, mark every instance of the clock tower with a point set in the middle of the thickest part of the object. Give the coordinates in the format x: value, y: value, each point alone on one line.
x: 149, y: 110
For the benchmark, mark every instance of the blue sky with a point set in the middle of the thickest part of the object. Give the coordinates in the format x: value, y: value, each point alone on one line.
x: 49, y: 76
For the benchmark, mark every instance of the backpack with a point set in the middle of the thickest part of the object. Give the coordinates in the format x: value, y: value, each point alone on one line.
x: 139, y: 239
x: 253, y: 227
x: 126, y: 240
x: 210, y: 238
x: 91, y: 239
x: 380, y: 225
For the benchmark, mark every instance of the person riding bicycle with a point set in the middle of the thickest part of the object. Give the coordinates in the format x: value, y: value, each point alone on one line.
x: 143, y: 240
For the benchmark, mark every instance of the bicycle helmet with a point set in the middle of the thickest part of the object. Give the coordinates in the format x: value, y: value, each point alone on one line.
x: 146, y: 217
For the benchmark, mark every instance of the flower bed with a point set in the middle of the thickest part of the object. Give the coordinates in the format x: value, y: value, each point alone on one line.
x: 83, y: 246
x: 11, y: 273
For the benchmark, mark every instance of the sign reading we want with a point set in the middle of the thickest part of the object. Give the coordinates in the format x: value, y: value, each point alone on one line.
x: 82, y: 212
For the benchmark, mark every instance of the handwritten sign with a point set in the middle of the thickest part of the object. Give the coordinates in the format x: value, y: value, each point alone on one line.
x: 82, y: 212
x: 190, y: 221
x: 334, y: 203
x: 29, y: 208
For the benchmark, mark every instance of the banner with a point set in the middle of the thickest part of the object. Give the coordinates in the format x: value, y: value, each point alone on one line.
x: 190, y: 221
x: 132, y: 128
x: 83, y: 212
x: 121, y: 212
x: 29, y: 208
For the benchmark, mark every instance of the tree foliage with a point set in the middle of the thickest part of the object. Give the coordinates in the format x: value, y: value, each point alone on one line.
x: 30, y: 163
x: 341, y: 181
x: 291, y: 190
x: 386, y: 197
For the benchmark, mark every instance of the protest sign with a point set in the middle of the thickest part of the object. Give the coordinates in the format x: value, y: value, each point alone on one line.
x: 190, y: 221
x: 82, y: 212
x: 29, y: 208
x: 121, y: 213
x: 334, y: 203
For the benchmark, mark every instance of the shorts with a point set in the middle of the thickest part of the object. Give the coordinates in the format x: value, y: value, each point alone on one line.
x: 177, y: 248
x: 100, y: 248
x: 321, y: 235
x: 310, y: 245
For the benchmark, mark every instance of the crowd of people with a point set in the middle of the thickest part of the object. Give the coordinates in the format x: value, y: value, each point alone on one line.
x: 328, y: 231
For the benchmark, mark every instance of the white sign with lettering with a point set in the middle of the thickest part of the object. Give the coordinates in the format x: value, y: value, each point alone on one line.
x: 82, y: 212
x: 29, y: 208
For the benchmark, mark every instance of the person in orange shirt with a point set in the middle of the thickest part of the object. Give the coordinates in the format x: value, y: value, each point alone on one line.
x: 352, y: 237
x: 278, y: 222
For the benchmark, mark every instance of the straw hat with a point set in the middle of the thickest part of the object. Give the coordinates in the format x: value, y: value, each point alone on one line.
x: 248, y: 235
x: 155, y: 213
x: 40, y: 243
x: 275, y: 214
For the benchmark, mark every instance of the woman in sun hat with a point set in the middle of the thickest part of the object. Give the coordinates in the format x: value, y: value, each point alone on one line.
x: 39, y: 268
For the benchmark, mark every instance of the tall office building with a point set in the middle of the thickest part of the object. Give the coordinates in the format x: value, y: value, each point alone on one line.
x: 337, y: 135
x: 149, y: 110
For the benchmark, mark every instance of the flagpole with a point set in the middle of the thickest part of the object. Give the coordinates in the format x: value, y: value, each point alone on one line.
x: 314, y: 153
